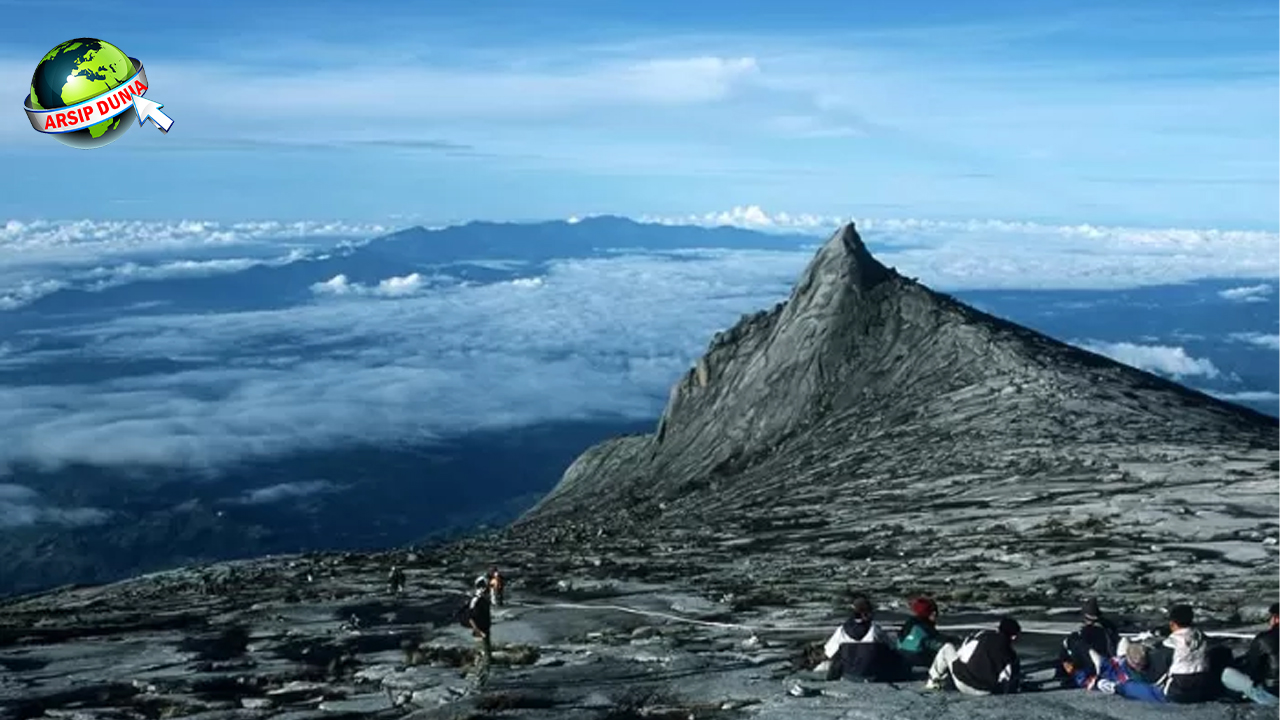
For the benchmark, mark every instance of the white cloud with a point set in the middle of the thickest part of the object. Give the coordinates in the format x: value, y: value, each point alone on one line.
x: 286, y: 491
x: 20, y: 292
x: 1260, y: 339
x: 42, y: 257
x: 1249, y: 293
x: 1161, y: 359
x: 1002, y: 254
x: 21, y: 506
x: 753, y: 217
x: 397, y: 286
x: 391, y: 287
x: 1246, y: 396
x: 89, y: 241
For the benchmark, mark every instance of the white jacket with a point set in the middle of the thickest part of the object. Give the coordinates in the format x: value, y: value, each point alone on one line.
x: 1190, y: 652
x: 840, y: 637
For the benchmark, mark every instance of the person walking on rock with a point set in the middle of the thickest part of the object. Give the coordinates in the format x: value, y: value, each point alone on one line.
x: 860, y: 650
x: 480, y: 620
x: 986, y: 664
x: 395, y: 580
x: 497, y: 587
x: 918, y: 638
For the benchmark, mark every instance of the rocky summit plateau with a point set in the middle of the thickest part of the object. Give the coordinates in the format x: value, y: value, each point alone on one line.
x: 867, y: 435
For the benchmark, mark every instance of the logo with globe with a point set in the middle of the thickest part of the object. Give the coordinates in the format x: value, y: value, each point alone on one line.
x: 83, y: 88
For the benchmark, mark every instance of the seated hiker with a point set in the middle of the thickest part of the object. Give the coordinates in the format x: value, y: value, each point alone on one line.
x: 1262, y: 664
x: 1096, y: 639
x: 1250, y: 678
x: 1189, y: 678
x: 860, y: 650
x: 986, y: 664
x: 919, y: 639
x: 1123, y: 675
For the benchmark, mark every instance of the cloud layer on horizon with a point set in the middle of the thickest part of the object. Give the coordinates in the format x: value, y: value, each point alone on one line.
x: 40, y: 258
x: 402, y: 360
x: 579, y: 342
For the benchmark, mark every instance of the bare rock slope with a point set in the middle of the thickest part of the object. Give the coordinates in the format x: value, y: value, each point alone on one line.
x: 871, y: 431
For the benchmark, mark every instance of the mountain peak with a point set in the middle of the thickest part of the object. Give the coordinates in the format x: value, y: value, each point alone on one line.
x: 868, y: 406
x: 845, y: 261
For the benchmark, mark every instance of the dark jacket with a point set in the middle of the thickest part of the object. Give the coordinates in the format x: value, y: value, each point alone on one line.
x: 859, y: 650
x: 479, y: 611
x: 919, y: 641
x: 1262, y: 664
x: 988, y: 663
x: 1099, y: 636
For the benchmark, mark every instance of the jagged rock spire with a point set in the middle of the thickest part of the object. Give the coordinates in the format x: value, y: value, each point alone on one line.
x: 860, y: 352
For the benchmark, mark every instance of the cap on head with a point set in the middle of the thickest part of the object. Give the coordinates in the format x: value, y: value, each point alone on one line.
x: 1183, y: 615
x: 1136, y: 654
x: 1009, y: 627
x: 1274, y: 610
x: 923, y: 607
x: 481, y: 582
x: 1090, y: 609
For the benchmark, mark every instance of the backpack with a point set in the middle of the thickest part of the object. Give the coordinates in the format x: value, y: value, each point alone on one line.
x: 463, y: 613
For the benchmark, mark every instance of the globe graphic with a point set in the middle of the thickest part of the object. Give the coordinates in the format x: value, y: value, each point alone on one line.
x: 77, y: 70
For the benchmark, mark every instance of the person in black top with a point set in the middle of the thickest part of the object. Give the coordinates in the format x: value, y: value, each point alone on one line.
x: 860, y: 650
x: 395, y: 580
x: 1096, y: 639
x: 480, y: 619
x: 987, y: 663
x: 1262, y: 664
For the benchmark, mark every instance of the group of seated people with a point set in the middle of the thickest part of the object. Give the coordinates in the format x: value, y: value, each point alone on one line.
x: 1177, y: 666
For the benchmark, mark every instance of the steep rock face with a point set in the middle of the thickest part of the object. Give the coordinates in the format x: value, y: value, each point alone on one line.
x: 881, y: 420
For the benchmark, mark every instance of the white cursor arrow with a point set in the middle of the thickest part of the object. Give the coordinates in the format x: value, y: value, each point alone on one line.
x: 150, y: 110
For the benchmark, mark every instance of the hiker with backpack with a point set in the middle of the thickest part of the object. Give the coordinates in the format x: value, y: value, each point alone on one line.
x: 477, y: 616
x: 395, y: 580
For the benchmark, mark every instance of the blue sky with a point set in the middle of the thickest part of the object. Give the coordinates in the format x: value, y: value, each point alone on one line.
x: 1154, y: 114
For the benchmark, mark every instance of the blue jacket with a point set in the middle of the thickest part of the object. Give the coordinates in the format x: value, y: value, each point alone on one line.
x: 1129, y: 683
